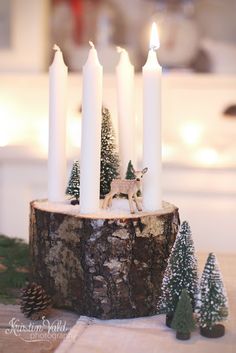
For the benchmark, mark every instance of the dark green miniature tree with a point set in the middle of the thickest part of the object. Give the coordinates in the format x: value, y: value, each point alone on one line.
x: 130, y: 171
x: 183, y: 321
x: 109, y: 156
x: 180, y: 273
x: 130, y: 175
x: 73, y: 187
x: 212, y: 305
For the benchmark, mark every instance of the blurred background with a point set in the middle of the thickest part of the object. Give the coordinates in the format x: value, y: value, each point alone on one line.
x: 198, y: 56
x: 196, y: 35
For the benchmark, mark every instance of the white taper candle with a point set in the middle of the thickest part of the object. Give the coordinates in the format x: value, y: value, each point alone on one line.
x: 152, y: 185
x: 58, y: 73
x: 126, y: 113
x: 91, y: 134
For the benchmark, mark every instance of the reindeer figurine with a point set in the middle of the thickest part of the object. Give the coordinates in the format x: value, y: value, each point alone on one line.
x: 126, y: 186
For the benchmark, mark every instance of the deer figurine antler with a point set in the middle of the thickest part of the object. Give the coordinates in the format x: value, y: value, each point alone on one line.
x: 125, y: 186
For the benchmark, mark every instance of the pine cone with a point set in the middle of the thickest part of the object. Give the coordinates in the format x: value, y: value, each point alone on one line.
x: 35, y: 302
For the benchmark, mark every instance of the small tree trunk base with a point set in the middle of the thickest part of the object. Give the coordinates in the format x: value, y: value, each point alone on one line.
x: 215, y: 332
x: 183, y: 336
x: 169, y: 318
x: 74, y: 202
x: 102, y: 267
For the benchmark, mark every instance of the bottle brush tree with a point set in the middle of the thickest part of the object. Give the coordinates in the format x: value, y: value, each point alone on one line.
x: 212, y: 306
x: 183, y: 321
x: 130, y: 171
x: 130, y: 174
x: 109, y: 156
x: 109, y: 169
x: 73, y: 187
x: 180, y: 273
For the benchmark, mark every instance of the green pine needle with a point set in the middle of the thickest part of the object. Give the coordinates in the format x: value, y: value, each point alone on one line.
x: 14, y: 267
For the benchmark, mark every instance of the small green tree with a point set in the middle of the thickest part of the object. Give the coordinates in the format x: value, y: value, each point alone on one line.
x: 130, y: 171
x: 130, y: 175
x: 180, y: 273
x: 183, y: 321
x: 109, y: 157
x: 73, y: 187
x: 212, y: 305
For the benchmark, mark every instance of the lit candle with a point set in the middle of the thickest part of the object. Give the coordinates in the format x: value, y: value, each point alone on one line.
x: 58, y: 73
x: 91, y: 134
x: 152, y: 187
x: 126, y: 117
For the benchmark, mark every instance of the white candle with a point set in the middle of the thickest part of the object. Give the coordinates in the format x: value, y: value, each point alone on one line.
x: 152, y: 186
x: 58, y: 73
x: 91, y: 134
x: 126, y: 114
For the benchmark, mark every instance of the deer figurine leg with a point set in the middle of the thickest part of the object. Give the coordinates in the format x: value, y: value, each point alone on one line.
x: 131, y: 205
x: 108, y: 200
x: 105, y: 201
x: 111, y: 195
x: 137, y: 203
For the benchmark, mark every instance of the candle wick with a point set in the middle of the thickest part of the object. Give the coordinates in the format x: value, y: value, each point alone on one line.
x: 91, y: 44
x: 56, y: 47
x: 154, y: 47
x: 119, y: 49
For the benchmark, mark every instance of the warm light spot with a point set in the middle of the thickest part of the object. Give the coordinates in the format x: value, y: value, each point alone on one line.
x: 154, y: 38
x: 191, y: 133
x: 4, y: 139
x: 167, y: 151
x: 42, y: 132
x: 12, y: 129
x: 207, y: 156
x: 6, y: 131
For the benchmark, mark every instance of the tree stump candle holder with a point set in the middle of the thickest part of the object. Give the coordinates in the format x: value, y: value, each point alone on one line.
x: 103, y: 266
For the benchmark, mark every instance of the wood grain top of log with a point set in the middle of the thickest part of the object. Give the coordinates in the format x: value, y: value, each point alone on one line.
x: 120, y: 209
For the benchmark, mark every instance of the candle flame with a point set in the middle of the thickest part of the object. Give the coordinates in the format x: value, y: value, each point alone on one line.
x: 56, y: 47
x: 154, y: 38
x: 91, y: 44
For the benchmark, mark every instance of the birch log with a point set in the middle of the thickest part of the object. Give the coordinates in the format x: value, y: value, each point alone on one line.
x: 102, y: 267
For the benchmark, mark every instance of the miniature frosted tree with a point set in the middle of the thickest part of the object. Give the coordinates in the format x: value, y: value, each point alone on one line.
x: 212, y: 306
x: 130, y: 174
x: 109, y: 155
x: 183, y: 321
x: 73, y: 187
x: 130, y: 171
x: 180, y: 273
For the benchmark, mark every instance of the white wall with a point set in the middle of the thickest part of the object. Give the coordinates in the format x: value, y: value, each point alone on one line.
x: 29, y: 27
